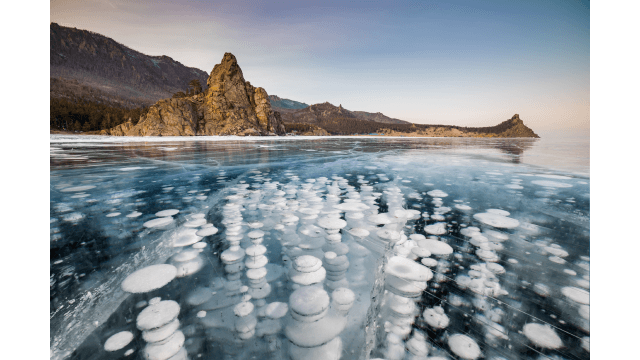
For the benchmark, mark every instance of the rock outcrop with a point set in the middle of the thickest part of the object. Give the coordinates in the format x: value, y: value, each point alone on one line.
x: 517, y: 128
x: 512, y: 128
x: 230, y: 106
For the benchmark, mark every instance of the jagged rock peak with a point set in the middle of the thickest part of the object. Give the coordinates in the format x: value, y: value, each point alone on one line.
x: 230, y: 106
x: 227, y: 70
x: 517, y: 128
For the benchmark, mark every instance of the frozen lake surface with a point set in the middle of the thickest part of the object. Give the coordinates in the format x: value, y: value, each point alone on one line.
x: 319, y: 248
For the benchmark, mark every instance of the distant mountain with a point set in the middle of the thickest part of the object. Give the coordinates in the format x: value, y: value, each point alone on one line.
x: 326, y: 111
x: 316, y: 113
x: 112, y: 69
x: 346, y: 123
x: 378, y: 117
x: 279, y: 103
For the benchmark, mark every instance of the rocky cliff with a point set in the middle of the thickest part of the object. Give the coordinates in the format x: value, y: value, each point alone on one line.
x: 516, y: 128
x: 230, y: 106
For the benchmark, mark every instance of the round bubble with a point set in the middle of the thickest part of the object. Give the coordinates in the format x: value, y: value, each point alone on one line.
x: 496, y: 220
x: 149, y: 278
x: 165, y: 213
x: 118, y: 341
x: 158, y: 222
x: 553, y: 184
x: 464, y: 346
x: 578, y: 295
x: 542, y: 335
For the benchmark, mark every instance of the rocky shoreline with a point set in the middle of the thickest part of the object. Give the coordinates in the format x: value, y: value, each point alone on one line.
x: 232, y: 106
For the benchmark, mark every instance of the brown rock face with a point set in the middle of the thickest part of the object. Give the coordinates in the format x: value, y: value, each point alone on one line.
x: 230, y: 106
x: 517, y: 128
x: 121, y: 129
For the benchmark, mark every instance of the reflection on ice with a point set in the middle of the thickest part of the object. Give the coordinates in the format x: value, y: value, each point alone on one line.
x: 194, y: 253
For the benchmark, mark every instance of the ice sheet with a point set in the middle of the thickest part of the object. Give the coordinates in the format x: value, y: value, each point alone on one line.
x: 240, y: 186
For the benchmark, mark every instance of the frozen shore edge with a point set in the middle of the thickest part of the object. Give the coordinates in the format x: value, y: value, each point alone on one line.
x: 55, y: 138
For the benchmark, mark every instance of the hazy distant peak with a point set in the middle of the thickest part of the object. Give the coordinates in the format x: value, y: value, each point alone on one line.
x: 280, y: 103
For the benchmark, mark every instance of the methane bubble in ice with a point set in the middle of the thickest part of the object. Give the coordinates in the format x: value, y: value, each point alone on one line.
x: 437, y: 193
x: 207, y: 231
x: 499, y: 212
x: 308, y: 303
x: 161, y: 333
x: 149, y: 278
x: 166, y: 349
x: 464, y: 346
x: 420, y: 252
x: 276, y: 310
x: 496, y: 235
x: 557, y: 260
x: 495, y: 268
x: 158, y: 222
x: 118, y: 341
x: 359, y: 232
x: 436, y: 247
x: 584, y: 311
x: 552, y: 184
x: 186, y: 255
x: 408, y: 269
x: 551, y: 176
x: 578, y: 295
x: 186, y: 237
x: 195, y: 223
x: 156, y: 315
x: 496, y: 220
x: 165, y: 213
x: 542, y: 335
x: 436, y: 318
x: 78, y: 188
x: 436, y: 229
x: 199, y: 296
x: 429, y: 262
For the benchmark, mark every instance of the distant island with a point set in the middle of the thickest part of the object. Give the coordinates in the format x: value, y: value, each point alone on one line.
x: 99, y: 86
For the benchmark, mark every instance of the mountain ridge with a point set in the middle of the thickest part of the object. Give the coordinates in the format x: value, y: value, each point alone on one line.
x: 323, y: 111
x: 280, y: 103
x: 100, y: 62
x: 89, y: 68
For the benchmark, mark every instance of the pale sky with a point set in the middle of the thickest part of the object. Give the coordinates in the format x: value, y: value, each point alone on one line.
x: 466, y: 63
